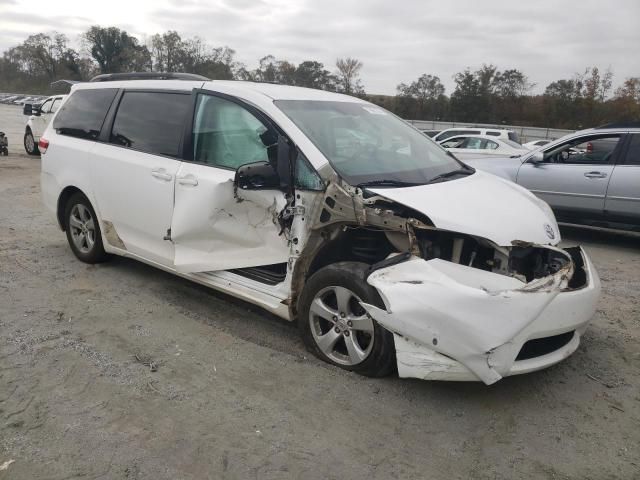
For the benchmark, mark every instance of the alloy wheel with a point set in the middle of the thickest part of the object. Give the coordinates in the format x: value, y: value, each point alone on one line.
x: 340, y: 326
x: 83, y: 229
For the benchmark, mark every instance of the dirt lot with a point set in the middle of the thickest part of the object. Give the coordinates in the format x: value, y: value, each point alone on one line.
x: 235, y: 395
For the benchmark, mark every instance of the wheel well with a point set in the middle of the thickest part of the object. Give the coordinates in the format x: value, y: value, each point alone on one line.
x: 356, y: 244
x: 62, y: 203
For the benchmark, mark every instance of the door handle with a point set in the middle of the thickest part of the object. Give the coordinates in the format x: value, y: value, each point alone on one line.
x: 189, y: 180
x: 161, y: 174
x: 595, y: 175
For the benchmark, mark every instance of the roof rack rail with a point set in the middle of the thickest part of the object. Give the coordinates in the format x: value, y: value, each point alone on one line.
x: 620, y: 125
x: 111, y: 77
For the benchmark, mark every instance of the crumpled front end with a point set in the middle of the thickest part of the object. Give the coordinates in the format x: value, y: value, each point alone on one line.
x: 457, y: 322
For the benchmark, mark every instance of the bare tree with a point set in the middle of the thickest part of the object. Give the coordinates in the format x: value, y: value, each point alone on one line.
x: 348, y: 76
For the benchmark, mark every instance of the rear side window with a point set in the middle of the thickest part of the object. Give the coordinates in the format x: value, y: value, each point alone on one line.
x: 82, y: 115
x: 633, y: 154
x: 493, y: 134
x: 513, y: 136
x: 453, y: 133
x: 151, y: 122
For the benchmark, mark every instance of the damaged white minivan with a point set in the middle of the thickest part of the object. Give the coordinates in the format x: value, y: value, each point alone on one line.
x: 326, y: 210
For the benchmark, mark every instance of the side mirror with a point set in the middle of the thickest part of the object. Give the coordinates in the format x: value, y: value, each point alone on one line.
x: 536, y: 159
x: 257, y: 176
x: 27, y: 109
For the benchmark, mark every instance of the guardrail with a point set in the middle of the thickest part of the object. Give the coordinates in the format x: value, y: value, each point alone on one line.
x: 526, y: 134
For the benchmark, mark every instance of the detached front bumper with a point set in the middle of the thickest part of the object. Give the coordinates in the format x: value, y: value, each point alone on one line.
x: 452, y: 322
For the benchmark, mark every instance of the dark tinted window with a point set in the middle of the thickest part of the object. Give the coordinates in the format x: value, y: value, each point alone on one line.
x: 83, y: 113
x: 493, y: 134
x: 633, y: 154
x: 151, y: 122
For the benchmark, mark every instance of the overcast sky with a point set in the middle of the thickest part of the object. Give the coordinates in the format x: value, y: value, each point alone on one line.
x: 397, y: 40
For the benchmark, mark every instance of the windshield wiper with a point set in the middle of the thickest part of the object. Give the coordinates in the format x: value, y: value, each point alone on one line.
x: 461, y: 171
x: 389, y: 183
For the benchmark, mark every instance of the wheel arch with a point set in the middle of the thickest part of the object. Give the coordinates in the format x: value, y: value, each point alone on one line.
x: 63, y: 198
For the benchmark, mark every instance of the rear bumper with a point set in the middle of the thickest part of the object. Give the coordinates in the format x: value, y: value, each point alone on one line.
x: 452, y: 322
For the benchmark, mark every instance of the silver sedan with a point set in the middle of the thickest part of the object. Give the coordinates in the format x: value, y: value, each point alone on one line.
x: 591, y: 177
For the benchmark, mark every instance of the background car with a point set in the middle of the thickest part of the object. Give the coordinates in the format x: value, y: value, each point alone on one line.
x: 475, y: 146
x: 39, y: 118
x: 489, y: 132
x: 591, y: 177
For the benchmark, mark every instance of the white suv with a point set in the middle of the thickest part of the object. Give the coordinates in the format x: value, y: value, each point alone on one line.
x: 326, y: 210
x: 39, y: 117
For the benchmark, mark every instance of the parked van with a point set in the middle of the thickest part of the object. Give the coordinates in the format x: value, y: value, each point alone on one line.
x: 326, y: 210
x: 39, y: 117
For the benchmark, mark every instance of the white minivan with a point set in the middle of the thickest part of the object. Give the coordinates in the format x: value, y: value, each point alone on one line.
x: 388, y: 252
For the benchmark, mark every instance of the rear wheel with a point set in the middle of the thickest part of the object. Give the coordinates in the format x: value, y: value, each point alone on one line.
x: 335, y: 326
x: 30, y: 145
x: 83, y: 230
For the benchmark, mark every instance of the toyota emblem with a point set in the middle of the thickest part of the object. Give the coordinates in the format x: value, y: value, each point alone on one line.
x: 549, y: 231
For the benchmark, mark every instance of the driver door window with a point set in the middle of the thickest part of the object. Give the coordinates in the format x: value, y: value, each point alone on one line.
x: 56, y: 103
x: 595, y: 150
x: 226, y: 135
x: 44, y: 108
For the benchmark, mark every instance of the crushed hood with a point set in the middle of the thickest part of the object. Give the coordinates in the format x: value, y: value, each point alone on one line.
x: 482, y: 205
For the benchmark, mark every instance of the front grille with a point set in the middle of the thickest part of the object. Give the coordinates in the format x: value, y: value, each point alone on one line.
x: 542, y: 346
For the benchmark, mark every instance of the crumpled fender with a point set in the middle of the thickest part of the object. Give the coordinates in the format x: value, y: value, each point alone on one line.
x: 465, y: 313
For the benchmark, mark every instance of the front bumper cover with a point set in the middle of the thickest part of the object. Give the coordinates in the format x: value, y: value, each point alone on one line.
x: 453, y: 322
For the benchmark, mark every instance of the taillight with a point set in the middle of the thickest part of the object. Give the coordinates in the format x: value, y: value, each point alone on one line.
x: 43, y: 144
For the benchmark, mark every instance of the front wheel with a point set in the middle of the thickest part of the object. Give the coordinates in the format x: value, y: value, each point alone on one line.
x: 335, y: 326
x: 83, y: 230
x: 30, y: 145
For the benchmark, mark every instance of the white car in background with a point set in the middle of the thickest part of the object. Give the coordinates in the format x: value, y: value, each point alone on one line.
x: 476, y: 146
x: 536, y: 144
x: 503, y: 134
x: 39, y: 118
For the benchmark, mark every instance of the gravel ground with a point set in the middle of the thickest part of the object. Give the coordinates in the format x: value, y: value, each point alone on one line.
x: 122, y: 371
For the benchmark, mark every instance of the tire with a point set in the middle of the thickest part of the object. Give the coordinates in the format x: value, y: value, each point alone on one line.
x: 355, y: 341
x: 30, y: 145
x: 83, y: 230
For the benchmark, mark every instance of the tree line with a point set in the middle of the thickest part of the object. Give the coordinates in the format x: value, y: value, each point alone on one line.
x: 485, y: 95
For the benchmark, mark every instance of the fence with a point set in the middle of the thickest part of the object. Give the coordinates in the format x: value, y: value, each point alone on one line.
x: 526, y: 134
